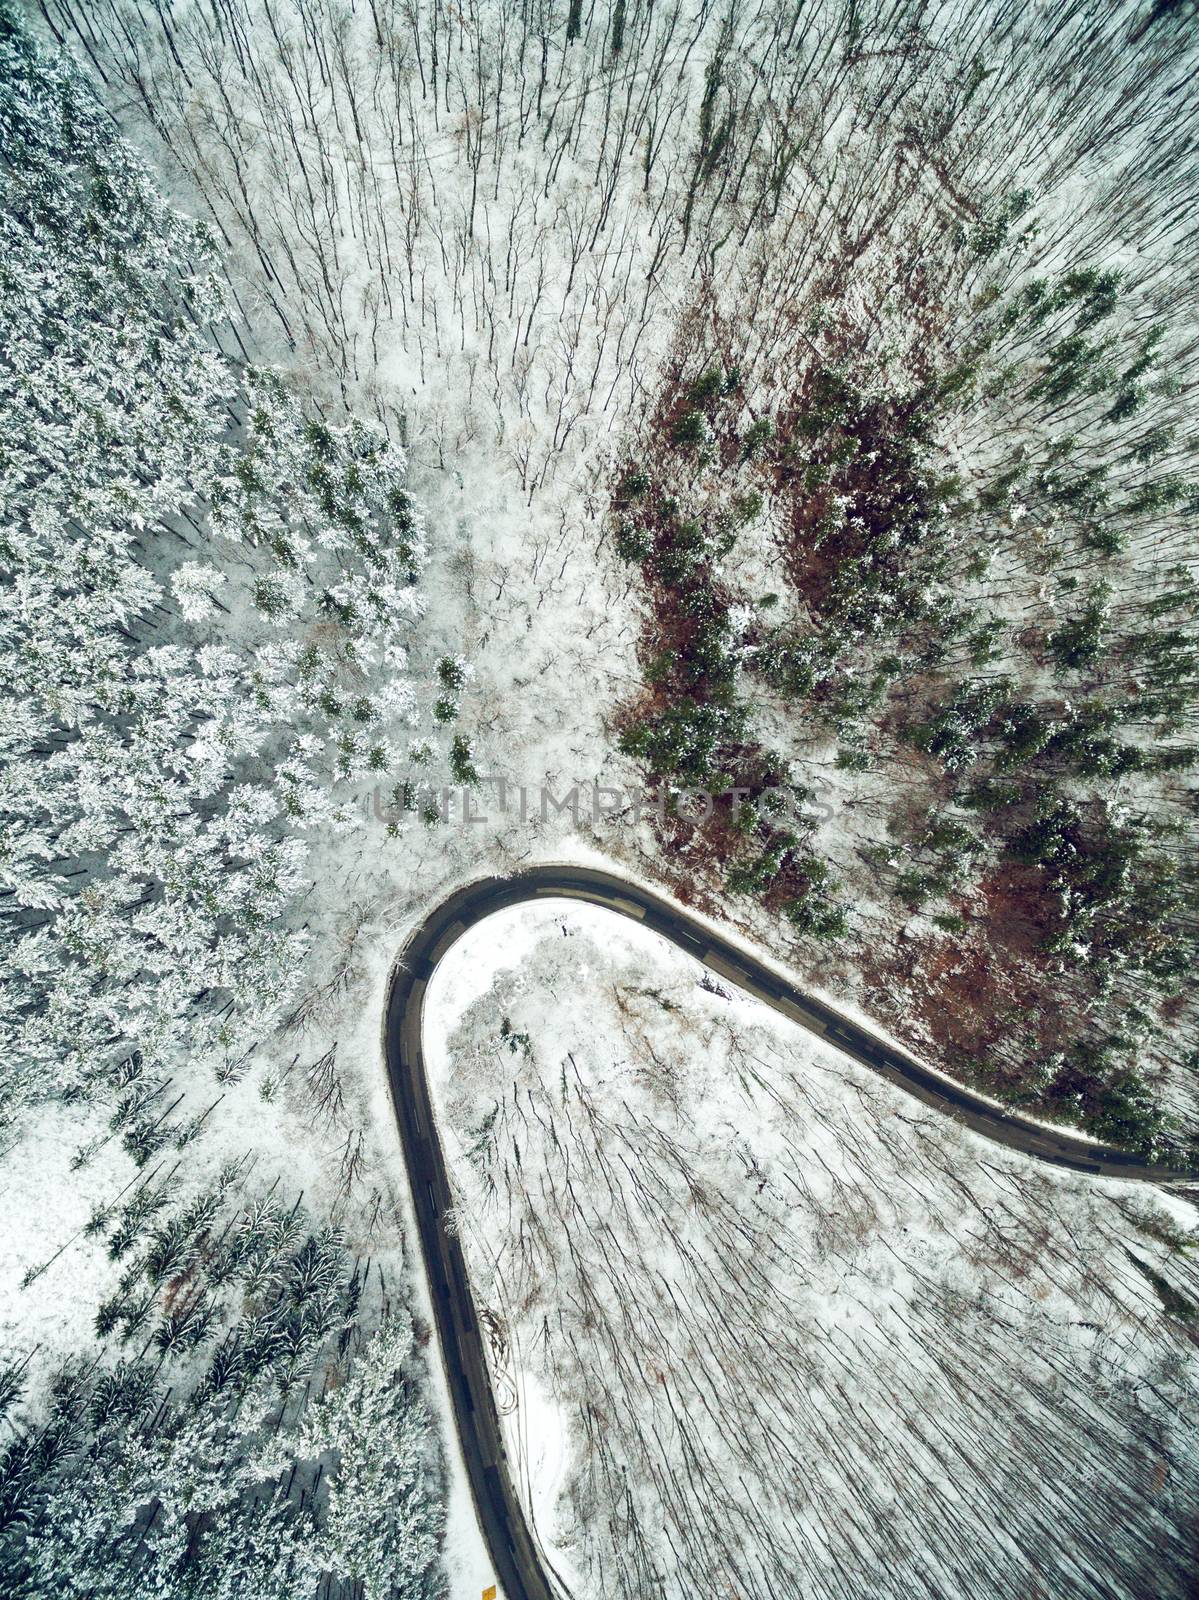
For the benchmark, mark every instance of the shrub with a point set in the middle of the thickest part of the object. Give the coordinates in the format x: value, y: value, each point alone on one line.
x: 757, y: 435
x: 691, y: 430
x: 631, y: 542
x: 451, y: 673
x: 462, y: 765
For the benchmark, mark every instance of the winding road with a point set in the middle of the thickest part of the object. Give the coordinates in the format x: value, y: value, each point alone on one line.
x: 520, y: 1568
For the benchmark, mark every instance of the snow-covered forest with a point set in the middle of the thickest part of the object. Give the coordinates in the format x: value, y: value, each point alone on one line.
x: 841, y: 358
x: 410, y: 409
x: 209, y: 597
x: 207, y: 632
x: 798, y: 1333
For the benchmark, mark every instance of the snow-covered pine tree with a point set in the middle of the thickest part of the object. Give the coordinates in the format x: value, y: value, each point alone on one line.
x: 384, y: 1523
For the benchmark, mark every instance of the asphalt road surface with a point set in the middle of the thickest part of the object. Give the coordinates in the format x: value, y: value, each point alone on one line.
x: 520, y: 1568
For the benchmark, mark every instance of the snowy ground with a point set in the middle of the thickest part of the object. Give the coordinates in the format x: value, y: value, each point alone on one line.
x: 748, y: 1272
x: 522, y: 582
